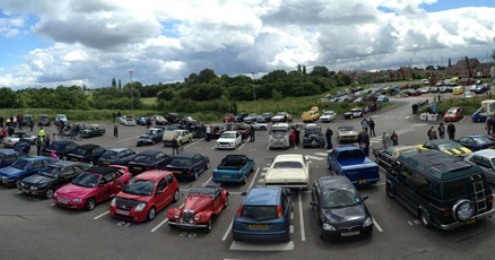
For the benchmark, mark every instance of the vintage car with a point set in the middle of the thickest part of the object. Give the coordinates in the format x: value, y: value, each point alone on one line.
x: 485, y: 159
x: 234, y: 168
x: 92, y: 130
x: 127, y: 120
x: 119, y: 156
x: 340, y: 209
x: 172, y: 118
x: 240, y: 117
x: 23, y: 146
x: 148, y: 160
x: 459, y: 90
x: 23, y: 167
x: 188, y: 120
x: 44, y: 120
x: 188, y: 165
x: 243, y: 128
x: 141, y: 120
x: 257, y: 126
x: 447, y: 146
x: 475, y: 142
x: 289, y: 171
x: 44, y: 183
x: 147, y: 194
x: 382, y: 98
x: 347, y: 133
x: 9, y: 156
x: 229, y: 140
x: 267, y: 117
x: 355, y: 112
x: 11, y: 140
x: 182, y: 136
x: 281, y: 117
x: 453, y: 114
x: 152, y: 136
x: 159, y: 120
x: 229, y: 117
x: 251, y: 118
x: 61, y: 118
x: 61, y: 148
x: 201, y: 205
x: 91, y: 187
x: 313, y: 137
x: 351, y: 162
x: 386, y: 156
x: 328, y: 116
x: 311, y: 115
x: 87, y: 153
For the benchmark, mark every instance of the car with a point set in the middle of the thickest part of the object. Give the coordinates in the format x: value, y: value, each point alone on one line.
x: 453, y: 114
x: 468, y: 94
x: 352, y: 162
x: 57, y: 174
x: 127, y: 120
x: 313, y: 137
x: 328, y: 116
x: 141, y: 120
x: 311, y: 115
x: 11, y: 140
x: 44, y: 120
x: 234, y: 168
x: 92, y: 130
x: 182, y: 136
x: 257, y: 126
x: 290, y: 171
x: 382, y: 98
x: 447, y: 146
x: 480, y: 89
x: 148, y: 160
x: 264, y: 215
x: 119, y: 156
x: 485, y: 159
x: 282, y: 117
x: 229, y: 117
x: 243, y: 128
x: 87, y: 153
x: 347, y: 133
x: 173, y: 118
x: 229, y: 140
x: 267, y: 116
x: 188, y: 165
x: 240, y: 117
x: 442, y: 191
x: 340, y: 210
x: 188, y: 120
x: 151, y: 136
x: 93, y: 186
x: 9, y: 156
x: 61, y: 148
x: 61, y: 118
x: 251, y: 118
x: 458, y: 90
x: 355, y: 112
x: 146, y: 195
x: 23, y: 167
x: 202, y: 204
x: 386, y: 156
x: 159, y: 120
x: 476, y: 142
x: 23, y: 146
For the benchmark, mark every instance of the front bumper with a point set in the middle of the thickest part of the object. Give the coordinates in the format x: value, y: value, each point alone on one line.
x: 186, y: 225
x: 69, y: 203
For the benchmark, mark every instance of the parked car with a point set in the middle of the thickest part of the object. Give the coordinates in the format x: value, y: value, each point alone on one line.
x: 61, y: 118
x: 9, y: 156
x: 118, y: 156
x: 313, y: 137
x: 87, y: 153
x: 127, y: 120
x: 475, y: 142
x: 188, y: 165
x: 61, y: 148
x: 23, y: 146
x: 44, y: 120
x: 459, y: 90
x: 485, y: 159
x: 240, y: 117
x: 173, y: 118
x: 229, y: 117
x: 234, y: 168
x: 92, y: 130
x: 91, y: 187
x: 229, y: 140
x: 386, y: 156
x: 264, y: 215
x: 182, y: 136
x: 152, y: 136
x: 11, y: 140
x: 146, y: 195
x: 260, y: 126
x: 447, y: 146
x: 311, y: 115
x: 188, y: 120
x: 347, y: 133
x: 351, y: 162
x: 382, y: 98
x: 201, y: 206
x: 328, y: 116
x: 23, y: 167
x: 267, y: 116
x: 453, y: 114
x: 141, y: 120
x: 282, y: 117
x: 251, y: 118
x: 290, y: 171
x: 159, y: 120
x: 44, y: 183
x: 355, y: 112
x: 341, y: 211
x: 148, y: 160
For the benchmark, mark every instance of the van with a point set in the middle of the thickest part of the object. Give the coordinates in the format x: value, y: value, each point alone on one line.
x: 441, y: 190
x: 487, y: 108
x: 279, y: 136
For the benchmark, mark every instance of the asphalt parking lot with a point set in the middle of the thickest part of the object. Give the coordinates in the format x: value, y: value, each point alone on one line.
x: 37, y: 229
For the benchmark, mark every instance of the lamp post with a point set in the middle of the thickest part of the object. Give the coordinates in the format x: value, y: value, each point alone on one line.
x: 132, y: 94
x: 254, y: 94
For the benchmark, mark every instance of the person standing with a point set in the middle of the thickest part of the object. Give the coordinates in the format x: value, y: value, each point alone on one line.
x: 394, y: 137
x: 175, y: 146
x: 451, y: 131
x: 488, y: 126
x: 365, y: 124
x: 429, y: 133
x: 297, y: 131
x: 31, y: 124
x: 47, y: 140
x: 385, y: 140
x: 372, y: 127
x: 116, y: 131
x: 208, y: 133
x: 39, y: 145
x: 251, y: 133
x: 292, y: 137
x: 41, y: 134
x: 364, y: 142
x: 441, y: 130
x: 328, y: 135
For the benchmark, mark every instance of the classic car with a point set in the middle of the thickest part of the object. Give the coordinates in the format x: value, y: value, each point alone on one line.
x: 251, y: 118
x: 173, y: 118
x: 229, y: 140
x: 188, y: 120
x: 240, y: 117
x: 9, y: 156
x: 485, y: 159
x: 87, y: 153
x: 92, y: 130
x: 120, y: 156
x: 229, y: 117
x: 243, y: 128
x: 91, y: 187
x: 234, y: 168
x: 351, y: 162
x: 182, y: 136
x: 201, y: 205
x: 340, y: 209
x: 267, y: 116
x: 44, y: 120
x: 447, y: 146
x: 382, y: 98
x: 313, y: 137
x: 148, y: 160
x: 289, y: 171
x: 279, y: 136
x: 152, y: 136
x: 23, y: 146
x: 188, y: 165
x: 328, y: 116
x: 44, y: 183
x: 480, y: 89
x: 281, y: 117
x: 453, y: 114
x: 11, y: 140
x: 23, y: 167
x: 61, y: 118
x: 311, y: 115
x: 61, y: 148
x: 459, y: 90
x: 141, y: 120
x: 159, y: 120
x: 476, y: 142
x: 264, y: 215
x: 127, y: 120
x: 355, y: 112
x: 386, y: 156
x: 147, y: 194
x: 260, y: 126
x: 347, y: 134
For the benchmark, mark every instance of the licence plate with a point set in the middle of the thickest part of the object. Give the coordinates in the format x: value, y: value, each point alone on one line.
x: 362, y: 181
x: 138, y: 168
x: 255, y: 226
x: 63, y: 201
x: 227, y: 176
x: 73, y: 159
x: 178, y: 172
x: 122, y: 212
x: 348, y: 234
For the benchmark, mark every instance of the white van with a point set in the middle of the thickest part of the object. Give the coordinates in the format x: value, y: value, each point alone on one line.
x: 279, y: 136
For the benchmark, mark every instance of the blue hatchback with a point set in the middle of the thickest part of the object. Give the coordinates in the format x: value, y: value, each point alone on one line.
x: 23, y: 167
x: 264, y: 215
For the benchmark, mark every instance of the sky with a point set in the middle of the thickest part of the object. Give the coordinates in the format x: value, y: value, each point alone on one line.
x: 47, y: 43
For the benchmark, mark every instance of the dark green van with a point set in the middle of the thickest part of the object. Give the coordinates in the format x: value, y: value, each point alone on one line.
x: 442, y: 190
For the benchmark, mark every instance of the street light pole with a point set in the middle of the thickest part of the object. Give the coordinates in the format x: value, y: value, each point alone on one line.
x: 254, y: 95
x: 132, y: 94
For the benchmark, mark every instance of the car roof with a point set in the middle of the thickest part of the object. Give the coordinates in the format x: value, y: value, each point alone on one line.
x: 186, y: 155
x: 475, y: 135
x: 149, y: 152
x: 7, y: 151
x: 334, y: 182
x: 230, y: 132
x: 263, y: 196
x: 153, y: 175
x: 89, y: 146
x: 100, y: 170
x: 36, y: 158
x: 441, y: 141
x: 489, y: 153
x: 289, y: 157
x: 64, y: 163
x: 117, y: 149
x: 63, y: 142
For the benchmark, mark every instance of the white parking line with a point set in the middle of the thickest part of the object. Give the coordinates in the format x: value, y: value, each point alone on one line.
x: 242, y: 145
x: 101, y: 215
x: 303, y: 233
x: 228, y: 231
x: 128, y: 139
x: 207, y: 181
x: 159, y: 225
x: 254, y: 178
x: 377, y: 226
x: 192, y: 143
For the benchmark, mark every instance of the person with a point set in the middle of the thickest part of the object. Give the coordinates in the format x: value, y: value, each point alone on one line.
x: 328, y: 135
x: 429, y: 132
x: 385, y: 141
x: 116, y: 131
x: 297, y: 131
x: 175, y: 146
x: 31, y: 124
x: 47, y: 140
x: 3, y: 132
x: 441, y: 130
x: 292, y: 137
x: 394, y: 137
x: 39, y: 145
x: 251, y: 133
x: 365, y: 124
x: 208, y: 133
x: 372, y: 127
x: 148, y: 123
x: 451, y: 131
x: 41, y: 133
x: 434, y: 135
x: 364, y: 142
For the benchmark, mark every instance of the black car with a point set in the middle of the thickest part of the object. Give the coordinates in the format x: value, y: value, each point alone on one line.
x: 152, y: 136
x: 23, y: 146
x: 188, y: 165
x: 340, y: 209
x: 61, y: 148
x: 119, y: 156
x: 240, y: 117
x: 172, y: 118
x: 148, y: 160
x: 87, y: 153
x: 9, y: 156
x: 188, y: 120
x: 44, y: 120
x: 313, y: 137
x: 267, y: 117
x: 44, y: 183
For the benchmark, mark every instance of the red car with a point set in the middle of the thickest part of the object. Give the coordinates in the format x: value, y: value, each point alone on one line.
x: 148, y: 193
x: 200, y: 206
x: 229, y: 118
x: 91, y: 187
x: 453, y: 114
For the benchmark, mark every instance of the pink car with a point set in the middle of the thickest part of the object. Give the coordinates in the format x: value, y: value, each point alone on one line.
x: 93, y: 186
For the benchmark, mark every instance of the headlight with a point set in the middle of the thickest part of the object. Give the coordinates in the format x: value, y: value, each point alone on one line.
x: 114, y: 202
x: 32, y: 187
x: 197, y: 217
x: 140, y: 206
x: 328, y: 227
x: 177, y: 215
x: 77, y: 200
x: 4, y: 177
x: 367, y: 222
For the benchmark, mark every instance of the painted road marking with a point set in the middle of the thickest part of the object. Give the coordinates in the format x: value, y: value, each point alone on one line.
x: 314, y: 157
x: 101, y: 215
x: 303, y: 233
x: 228, y: 230
x: 159, y: 225
x: 243, y: 246
x: 376, y: 225
x: 193, y: 143
x: 322, y: 154
x: 128, y: 139
x: 254, y: 178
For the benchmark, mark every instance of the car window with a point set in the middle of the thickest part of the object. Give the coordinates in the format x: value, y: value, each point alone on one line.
x: 107, y: 178
x: 406, y: 174
x: 294, y: 165
x: 67, y: 171
x: 97, y: 150
x: 455, y: 189
x: 422, y: 185
x: 37, y: 164
x: 259, y: 212
x: 161, y: 185
x: 485, y: 162
x: 339, y: 198
x: 170, y: 178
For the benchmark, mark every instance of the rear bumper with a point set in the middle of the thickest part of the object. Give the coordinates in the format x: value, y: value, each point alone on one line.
x: 261, y: 237
x: 292, y: 186
x: 473, y: 219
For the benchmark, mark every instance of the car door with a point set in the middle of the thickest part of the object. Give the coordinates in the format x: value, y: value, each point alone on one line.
x: 486, y: 165
x: 162, y: 194
x: 405, y: 189
x: 467, y: 142
x: 160, y: 159
x: 105, y: 187
x: 95, y: 154
x: 196, y: 163
x: 35, y: 167
x: 238, y: 138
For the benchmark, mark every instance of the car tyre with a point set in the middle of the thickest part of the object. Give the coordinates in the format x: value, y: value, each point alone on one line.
x: 90, y: 204
x: 425, y: 218
x: 209, y: 226
x: 176, y: 195
x: 390, y: 191
x: 195, y: 175
x: 151, y: 214
x: 49, y: 193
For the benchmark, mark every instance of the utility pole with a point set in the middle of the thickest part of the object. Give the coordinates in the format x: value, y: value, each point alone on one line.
x: 132, y: 94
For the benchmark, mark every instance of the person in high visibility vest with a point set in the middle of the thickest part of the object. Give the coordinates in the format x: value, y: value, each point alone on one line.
x: 41, y: 133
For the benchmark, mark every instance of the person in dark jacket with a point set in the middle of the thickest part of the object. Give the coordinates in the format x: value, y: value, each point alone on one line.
x: 371, y: 124
x: 251, y: 133
x: 297, y: 131
x: 451, y: 131
x: 364, y: 142
x: 175, y: 146
x: 441, y: 131
x: 395, y: 138
x: 328, y: 135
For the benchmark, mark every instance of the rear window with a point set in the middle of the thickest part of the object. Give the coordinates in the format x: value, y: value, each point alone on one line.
x: 294, y: 165
x: 259, y: 212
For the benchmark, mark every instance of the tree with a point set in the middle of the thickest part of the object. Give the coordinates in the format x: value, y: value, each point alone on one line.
x: 450, y: 63
x: 120, y: 85
x: 320, y: 71
x: 114, y: 83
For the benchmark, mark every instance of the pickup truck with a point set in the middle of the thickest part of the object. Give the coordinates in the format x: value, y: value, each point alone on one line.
x: 351, y: 162
x: 234, y: 168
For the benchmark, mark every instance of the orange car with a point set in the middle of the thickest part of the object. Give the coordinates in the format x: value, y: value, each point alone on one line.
x: 453, y: 114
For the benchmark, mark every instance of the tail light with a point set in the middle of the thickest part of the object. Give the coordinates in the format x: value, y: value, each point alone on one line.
x: 489, y: 198
x: 280, y: 212
x: 239, y: 211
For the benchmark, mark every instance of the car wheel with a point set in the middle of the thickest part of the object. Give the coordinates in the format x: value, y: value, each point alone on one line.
x: 196, y: 175
x: 151, y: 214
x: 226, y: 202
x: 177, y: 195
x: 209, y: 226
x: 49, y: 193
x: 425, y: 218
x: 390, y: 191
x: 90, y: 204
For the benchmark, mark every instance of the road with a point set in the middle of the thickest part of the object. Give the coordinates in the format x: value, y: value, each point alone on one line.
x: 36, y: 229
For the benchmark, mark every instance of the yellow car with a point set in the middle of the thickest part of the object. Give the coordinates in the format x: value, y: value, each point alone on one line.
x: 311, y: 115
x: 447, y: 146
x: 459, y: 90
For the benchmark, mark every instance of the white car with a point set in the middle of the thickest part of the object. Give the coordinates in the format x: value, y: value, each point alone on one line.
x: 328, y: 116
x: 183, y: 136
x: 347, y: 134
x: 289, y: 170
x: 281, y: 117
x: 11, y: 140
x: 127, y: 120
x: 229, y: 140
x: 61, y: 118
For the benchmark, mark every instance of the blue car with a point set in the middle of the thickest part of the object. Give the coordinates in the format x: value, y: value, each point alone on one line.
x: 476, y: 142
x: 264, y: 215
x: 120, y: 156
x: 382, y: 99
x: 479, y: 116
x: 141, y: 120
x: 188, y: 165
x: 23, y: 167
x: 148, y: 160
x: 61, y: 148
x: 9, y: 156
x: 234, y: 168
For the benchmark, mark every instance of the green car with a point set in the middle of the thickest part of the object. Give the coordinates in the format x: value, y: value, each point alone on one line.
x: 92, y: 130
